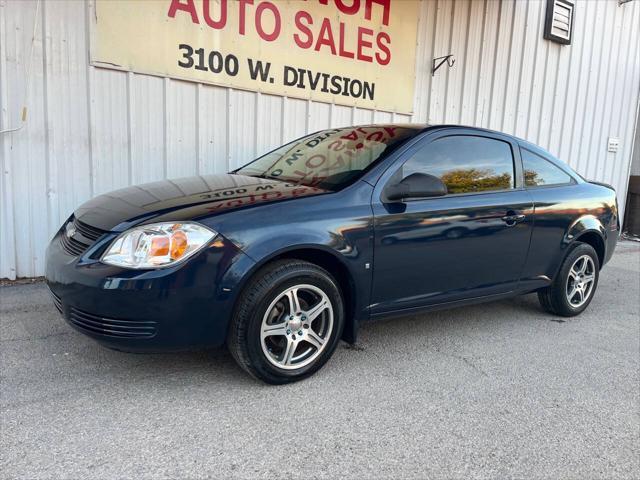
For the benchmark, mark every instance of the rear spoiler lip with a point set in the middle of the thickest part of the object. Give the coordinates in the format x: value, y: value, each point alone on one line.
x: 602, y: 184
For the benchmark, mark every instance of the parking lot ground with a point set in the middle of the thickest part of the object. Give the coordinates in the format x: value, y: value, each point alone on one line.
x: 495, y: 390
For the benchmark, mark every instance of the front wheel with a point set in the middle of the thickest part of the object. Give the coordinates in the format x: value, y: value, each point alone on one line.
x: 288, y: 321
x: 576, y: 282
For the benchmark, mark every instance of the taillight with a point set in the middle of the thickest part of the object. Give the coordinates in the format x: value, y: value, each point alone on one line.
x: 615, y: 218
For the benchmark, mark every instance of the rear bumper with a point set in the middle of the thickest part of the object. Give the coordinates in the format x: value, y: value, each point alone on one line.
x: 610, y: 245
x: 187, y: 306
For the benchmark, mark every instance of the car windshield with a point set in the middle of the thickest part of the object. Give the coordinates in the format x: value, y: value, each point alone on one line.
x: 330, y: 159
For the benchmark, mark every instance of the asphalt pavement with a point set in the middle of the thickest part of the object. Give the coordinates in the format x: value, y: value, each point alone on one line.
x: 499, y: 390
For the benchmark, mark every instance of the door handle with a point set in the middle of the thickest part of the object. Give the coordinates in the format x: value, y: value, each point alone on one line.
x: 511, y: 218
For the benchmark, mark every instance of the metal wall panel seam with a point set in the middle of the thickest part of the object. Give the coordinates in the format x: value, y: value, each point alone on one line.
x: 627, y: 33
x: 165, y: 125
x: 573, y: 76
x: 88, y: 103
x: 7, y: 241
x: 518, y: 32
x: 473, y: 47
x: 589, y: 116
x: 628, y: 135
x: 52, y: 206
x: 447, y: 72
x: 539, y: 77
x: 578, y: 115
x: 478, y: 120
x: 548, y: 123
x: 526, y: 70
x: 502, y: 55
x: 130, y: 127
x: 612, y: 92
x: 598, y: 154
x: 197, y: 132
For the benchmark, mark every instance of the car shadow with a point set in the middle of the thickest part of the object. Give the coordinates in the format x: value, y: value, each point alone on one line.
x: 54, y: 348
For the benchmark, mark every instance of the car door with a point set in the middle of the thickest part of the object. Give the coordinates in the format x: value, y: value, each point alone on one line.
x: 471, y: 242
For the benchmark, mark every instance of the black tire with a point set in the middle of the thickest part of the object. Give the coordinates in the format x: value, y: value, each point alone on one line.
x: 554, y: 297
x: 244, y: 338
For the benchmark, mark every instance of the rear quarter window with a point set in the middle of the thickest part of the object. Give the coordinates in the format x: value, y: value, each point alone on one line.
x: 540, y: 172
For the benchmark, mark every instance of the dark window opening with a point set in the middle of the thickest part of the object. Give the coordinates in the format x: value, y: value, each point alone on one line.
x: 466, y: 164
x: 330, y: 159
x: 541, y: 172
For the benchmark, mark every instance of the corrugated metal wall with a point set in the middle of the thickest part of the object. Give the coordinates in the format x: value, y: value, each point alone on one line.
x: 91, y: 130
x: 635, y: 160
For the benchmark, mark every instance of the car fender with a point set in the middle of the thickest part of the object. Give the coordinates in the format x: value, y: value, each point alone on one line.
x: 583, y: 225
x: 339, y: 248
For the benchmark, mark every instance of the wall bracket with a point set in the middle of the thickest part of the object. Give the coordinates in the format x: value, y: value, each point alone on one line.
x: 448, y: 59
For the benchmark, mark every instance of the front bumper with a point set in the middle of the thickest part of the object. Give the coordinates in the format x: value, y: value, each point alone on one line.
x: 174, y: 308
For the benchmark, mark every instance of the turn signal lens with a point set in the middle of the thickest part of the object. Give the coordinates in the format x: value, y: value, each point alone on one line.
x: 179, y: 244
x: 157, y: 245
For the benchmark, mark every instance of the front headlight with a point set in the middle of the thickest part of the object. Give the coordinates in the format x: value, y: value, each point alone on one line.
x: 157, y: 245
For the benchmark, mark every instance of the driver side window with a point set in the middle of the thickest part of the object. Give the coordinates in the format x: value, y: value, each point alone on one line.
x: 465, y: 163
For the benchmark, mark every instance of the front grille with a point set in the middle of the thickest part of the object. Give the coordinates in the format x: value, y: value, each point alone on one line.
x: 72, y: 246
x: 84, y: 237
x: 56, y: 300
x: 111, y: 327
x: 87, y: 231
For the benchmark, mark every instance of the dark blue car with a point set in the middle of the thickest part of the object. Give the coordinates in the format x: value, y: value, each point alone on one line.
x: 284, y: 257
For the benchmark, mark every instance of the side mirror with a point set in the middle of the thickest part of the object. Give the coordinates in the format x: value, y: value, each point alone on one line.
x: 416, y: 185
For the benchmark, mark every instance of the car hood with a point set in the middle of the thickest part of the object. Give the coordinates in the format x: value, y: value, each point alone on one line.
x: 185, y: 199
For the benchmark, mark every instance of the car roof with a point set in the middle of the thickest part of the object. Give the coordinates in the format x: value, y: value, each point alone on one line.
x: 428, y: 126
x: 424, y: 127
x: 432, y: 127
x: 527, y: 145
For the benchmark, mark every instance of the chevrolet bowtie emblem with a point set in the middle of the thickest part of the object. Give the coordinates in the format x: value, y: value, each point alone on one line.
x: 70, y: 229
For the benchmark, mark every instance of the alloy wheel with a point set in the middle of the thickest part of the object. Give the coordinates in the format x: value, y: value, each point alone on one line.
x: 580, y: 281
x: 296, y: 326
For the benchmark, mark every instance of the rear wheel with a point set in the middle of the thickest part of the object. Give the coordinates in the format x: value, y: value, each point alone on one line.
x: 288, y: 322
x: 576, y: 282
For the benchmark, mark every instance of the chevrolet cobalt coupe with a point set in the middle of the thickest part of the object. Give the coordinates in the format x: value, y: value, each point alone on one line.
x: 282, y: 258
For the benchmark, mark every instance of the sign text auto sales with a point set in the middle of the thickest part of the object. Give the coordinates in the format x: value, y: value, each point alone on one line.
x: 265, y: 18
x: 352, y: 52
